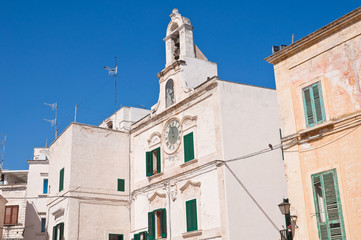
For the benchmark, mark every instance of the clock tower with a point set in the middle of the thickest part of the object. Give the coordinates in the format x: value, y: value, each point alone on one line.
x: 186, y: 66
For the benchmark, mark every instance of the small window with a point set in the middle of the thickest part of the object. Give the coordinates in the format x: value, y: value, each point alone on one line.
x: 45, y: 186
x: 153, y: 162
x: 188, y: 147
x: 11, y: 215
x: 110, y: 124
x: 58, y: 231
x: 141, y: 236
x: 115, y: 236
x: 61, y: 180
x: 191, y: 212
x: 121, y: 185
x: 169, y: 93
x: 157, y: 224
x: 313, y: 105
x: 43, y: 223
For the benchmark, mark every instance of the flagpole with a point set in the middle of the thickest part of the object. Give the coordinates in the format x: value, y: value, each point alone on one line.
x: 115, y: 88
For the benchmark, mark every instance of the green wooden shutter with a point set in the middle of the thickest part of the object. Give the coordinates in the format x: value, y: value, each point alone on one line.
x: 61, y: 227
x: 163, y: 223
x: 332, y: 227
x: 151, y: 226
x: 188, y: 147
x: 159, y: 168
x: 149, y: 164
x: 61, y: 180
x: 121, y: 185
x: 318, y: 103
x: 55, y: 232
x: 307, y: 101
x: 191, y: 214
x: 136, y: 237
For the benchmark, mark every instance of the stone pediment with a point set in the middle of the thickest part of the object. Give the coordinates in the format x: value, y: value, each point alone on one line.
x: 190, y: 183
x: 154, y: 138
x: 156, y: 195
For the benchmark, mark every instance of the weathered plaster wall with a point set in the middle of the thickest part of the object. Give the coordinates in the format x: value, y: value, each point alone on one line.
x: 336, y: 63
x: 250, y: 122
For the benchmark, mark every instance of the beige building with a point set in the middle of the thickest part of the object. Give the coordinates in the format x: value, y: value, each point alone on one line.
x: 3, y: 201
x: 13, y: 186
x: 318, y: 81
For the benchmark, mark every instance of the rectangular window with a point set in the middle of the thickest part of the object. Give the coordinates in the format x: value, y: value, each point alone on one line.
x: 153, y: 162
x: 11, y: 215
x: 328, y: 206
x: 58, y: 231
x: 116, y: 237
x: 45, y: 186
x: 141, y: 236
x: 313, y: 105
x: 157, y: 224
x: 121, y: 185
x: 43, y: 223
x: 191, y: 212
x: 188, y: 147
x: 61, y: 180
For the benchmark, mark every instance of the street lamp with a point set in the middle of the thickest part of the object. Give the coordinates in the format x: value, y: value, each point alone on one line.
x: 284, y: 207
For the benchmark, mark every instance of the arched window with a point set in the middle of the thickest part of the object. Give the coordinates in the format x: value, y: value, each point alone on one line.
x: 169, y: 93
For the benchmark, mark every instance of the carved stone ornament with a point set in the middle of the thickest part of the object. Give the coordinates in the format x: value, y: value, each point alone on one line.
x: 190, y: 183
x: 173, y: 192
x: 189, y: 121
x: 154, y: 138
x: 156, y: 194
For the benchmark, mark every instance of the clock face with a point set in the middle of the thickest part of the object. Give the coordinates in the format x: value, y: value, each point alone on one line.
x: 172, y: 135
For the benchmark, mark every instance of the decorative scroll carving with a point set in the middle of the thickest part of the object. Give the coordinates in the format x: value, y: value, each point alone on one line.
x: 190, y: 183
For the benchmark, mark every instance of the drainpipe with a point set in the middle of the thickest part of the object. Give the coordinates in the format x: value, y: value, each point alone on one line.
x: 167, y: 185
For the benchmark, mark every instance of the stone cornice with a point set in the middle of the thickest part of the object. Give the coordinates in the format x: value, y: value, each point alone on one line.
x: 170, y: 67
x: 316, y: 36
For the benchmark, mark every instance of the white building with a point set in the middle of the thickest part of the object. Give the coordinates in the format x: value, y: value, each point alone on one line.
x: 192, y: 175
x: 36, y: 196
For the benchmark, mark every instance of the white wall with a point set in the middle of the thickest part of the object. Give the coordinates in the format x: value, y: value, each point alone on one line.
x: 94, y: 158
x: 249, y: 123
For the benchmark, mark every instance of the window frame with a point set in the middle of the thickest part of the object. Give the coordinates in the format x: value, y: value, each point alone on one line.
x: 157, y: 230
x: 189, y: 226
x: 58, y: 227
x: 115, y: 235
x: 151, y: 162
x: 327, y: 221
x: 61, y: 180
x: 11, y: 222
x: 45, y: 186
x: 43, y: 225
x: 121, y: 185
x: 188, y: 147
x: 312, y: 104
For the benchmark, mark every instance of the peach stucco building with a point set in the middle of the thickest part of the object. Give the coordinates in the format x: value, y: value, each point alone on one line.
x: 318, y: 81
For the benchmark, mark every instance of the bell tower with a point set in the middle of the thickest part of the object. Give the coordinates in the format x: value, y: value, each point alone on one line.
x: 186, y: 66
x: 179, y: 39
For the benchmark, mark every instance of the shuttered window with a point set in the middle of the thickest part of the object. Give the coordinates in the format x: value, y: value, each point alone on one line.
x: 191, y: 214
x: 11, y: 215
x: 45, y: 186
x: 43, y: 224
x: 58, y: 231
x: 61, y: 180
x: 328, y: 206
x: 116, y: 237
x: 121, y: 185
x: 188, y: 147
x: 153, y: 162
x: 157, y: 224
x: 313, y: 105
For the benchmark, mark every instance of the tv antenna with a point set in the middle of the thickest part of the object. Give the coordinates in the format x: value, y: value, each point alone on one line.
x: 53, y: 122
x: 2, y: 154
x: 113, y: 72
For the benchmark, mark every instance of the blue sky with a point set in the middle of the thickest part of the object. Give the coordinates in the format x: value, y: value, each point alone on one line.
x: 54, y: 51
